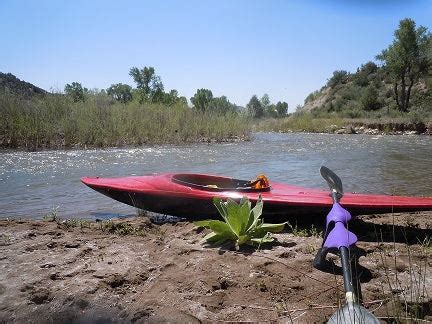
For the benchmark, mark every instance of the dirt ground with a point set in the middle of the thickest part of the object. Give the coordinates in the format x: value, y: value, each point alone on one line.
x: 133, y: 270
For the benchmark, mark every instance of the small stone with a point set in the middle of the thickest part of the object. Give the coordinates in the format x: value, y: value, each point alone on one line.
x: 40, y: 296
x: 54, y: 276
x: 91, y: 291
x: 52, y: 244
x: 72, y: 245
x: 287, y: 255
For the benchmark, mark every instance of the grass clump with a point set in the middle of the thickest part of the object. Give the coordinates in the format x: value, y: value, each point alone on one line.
x: 302, y: 123
x: 74, y: 222
x: 52, y: 216
x: 5, y: 239
x: 122, y: 228
x: 241, y: 225
x: 304, y: 231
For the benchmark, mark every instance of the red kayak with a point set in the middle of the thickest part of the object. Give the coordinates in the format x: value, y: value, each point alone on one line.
x: 191, y: 196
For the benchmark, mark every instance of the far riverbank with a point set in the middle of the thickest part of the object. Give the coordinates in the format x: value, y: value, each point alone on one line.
x: 217, y: 129
x: 54, y: 122
x: 335, y: 125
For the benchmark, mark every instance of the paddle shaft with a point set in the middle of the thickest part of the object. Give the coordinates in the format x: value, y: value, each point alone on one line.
x: 344, y: 256
x: 335, y: 196
x: 346, y: 271
x: 345, y: 259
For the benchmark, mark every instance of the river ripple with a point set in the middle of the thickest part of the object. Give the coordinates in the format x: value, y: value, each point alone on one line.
x: 32, y: 183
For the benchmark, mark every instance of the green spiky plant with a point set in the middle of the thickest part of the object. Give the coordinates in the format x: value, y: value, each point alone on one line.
x: 242, y: 224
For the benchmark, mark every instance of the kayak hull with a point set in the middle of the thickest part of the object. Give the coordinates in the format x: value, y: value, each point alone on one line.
x: 161, y: 194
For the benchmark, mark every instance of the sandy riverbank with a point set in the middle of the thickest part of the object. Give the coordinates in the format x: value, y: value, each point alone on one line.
x: 87, y: 272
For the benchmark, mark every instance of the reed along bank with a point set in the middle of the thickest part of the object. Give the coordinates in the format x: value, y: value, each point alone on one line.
x: 55, y: 121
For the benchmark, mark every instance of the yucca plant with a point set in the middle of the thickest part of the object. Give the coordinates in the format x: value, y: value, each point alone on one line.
x: 242, y: 224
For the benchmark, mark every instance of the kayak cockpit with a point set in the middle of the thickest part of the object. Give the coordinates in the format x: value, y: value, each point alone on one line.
x: 216, y: 183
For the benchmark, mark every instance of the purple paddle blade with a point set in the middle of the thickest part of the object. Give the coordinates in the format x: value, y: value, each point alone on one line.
x: 338, y: 214
x: 339, y: 236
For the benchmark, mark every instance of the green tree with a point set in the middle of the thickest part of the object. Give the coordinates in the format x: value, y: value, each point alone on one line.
x: 167, y: 98
x: 265, y: 101
x: 369, y: 68
x: 76, y: 91
x: 149, y: 84
x: 201, y: 100
x: 221, y: 105
x: 407, y: 60
x: 158, y: 95
x: 120, y: 92
x: 271, y: 111
x: 338, y: 77
x: 183, y: 100
x: 369, y: 100
x: 267, y: 106
x: 173, y: 97
x: 173, y: 93
x: 361, y: 78
x: 255, y: 107
x: 282, y: 109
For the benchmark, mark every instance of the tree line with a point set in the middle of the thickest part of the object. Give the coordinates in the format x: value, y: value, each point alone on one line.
x: 150, y: 89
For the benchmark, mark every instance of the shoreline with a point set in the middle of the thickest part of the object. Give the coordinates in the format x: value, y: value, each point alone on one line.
x: 132, y: 270
x: 358, y: 130
x: 349, y: 129
x: 390, y: 128
x: 203, y: 140
x: 336, y: 125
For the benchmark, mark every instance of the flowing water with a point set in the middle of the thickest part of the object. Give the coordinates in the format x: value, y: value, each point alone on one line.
x: 33, y: 183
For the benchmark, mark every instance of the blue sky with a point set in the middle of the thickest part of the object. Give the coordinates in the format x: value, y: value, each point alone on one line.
x: 235, y: 48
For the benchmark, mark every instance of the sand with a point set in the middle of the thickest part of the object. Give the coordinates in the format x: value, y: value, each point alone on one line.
x: 143, y: 272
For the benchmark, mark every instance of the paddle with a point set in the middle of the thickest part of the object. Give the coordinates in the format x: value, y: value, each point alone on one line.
x: 338, y: 238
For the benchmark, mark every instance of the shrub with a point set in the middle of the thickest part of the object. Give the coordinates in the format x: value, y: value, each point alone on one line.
x: 242, y: 224
x: 338, y: 77
x: 369, y: 99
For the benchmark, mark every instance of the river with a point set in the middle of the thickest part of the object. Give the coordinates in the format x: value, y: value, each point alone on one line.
x: 33, y: 183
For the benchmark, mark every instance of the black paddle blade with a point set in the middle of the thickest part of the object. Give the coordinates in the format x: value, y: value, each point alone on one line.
x: 333, y: 181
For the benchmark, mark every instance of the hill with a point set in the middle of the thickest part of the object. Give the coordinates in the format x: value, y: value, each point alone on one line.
x: 9, y: 83
x: 369, y: 92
